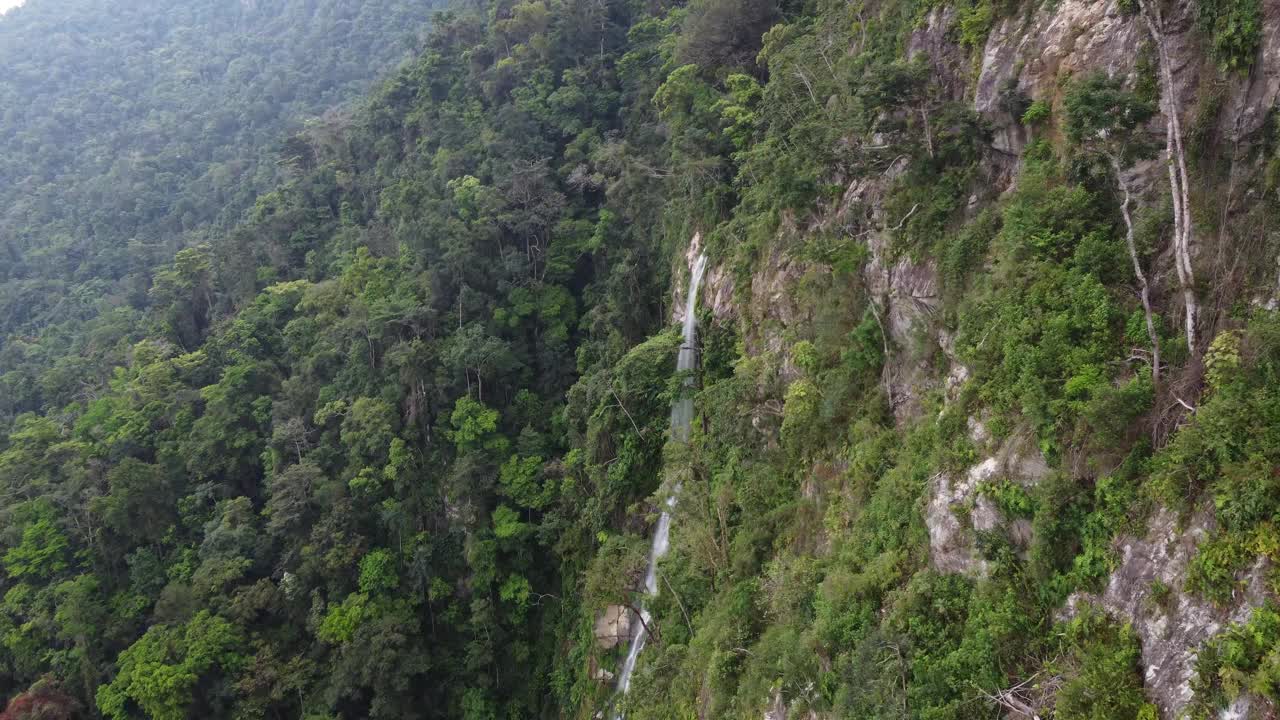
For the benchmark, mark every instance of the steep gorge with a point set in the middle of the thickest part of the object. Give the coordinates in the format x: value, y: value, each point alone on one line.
x: 980, y: 418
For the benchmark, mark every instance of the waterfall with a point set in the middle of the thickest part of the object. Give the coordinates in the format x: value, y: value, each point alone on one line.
x: 682, y: 408
x: 681, y: 420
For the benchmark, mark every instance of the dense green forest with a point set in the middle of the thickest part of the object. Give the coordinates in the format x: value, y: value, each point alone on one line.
x: 133, y: 129
x: 391, y: 443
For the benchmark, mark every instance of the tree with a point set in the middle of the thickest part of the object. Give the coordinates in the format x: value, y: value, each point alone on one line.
x: 140, y: 502
x: 1175, y: 154
x: 42, y: 701
x: 44, y: 550
x: 1105, y: 119
x: 170, y: 667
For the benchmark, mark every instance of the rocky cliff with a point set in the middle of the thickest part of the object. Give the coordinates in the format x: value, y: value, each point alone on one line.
x: 1022, y: 85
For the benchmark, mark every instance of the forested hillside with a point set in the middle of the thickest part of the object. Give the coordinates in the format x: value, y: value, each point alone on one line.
x: 132, y: 129
x: 984, y: 415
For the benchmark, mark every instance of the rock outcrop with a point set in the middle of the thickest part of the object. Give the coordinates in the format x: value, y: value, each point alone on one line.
x: 716, y: 295
x: 1173, y: 627
x: 956, y: 509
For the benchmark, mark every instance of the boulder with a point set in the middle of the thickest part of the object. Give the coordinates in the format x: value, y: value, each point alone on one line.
x: 613, y: 626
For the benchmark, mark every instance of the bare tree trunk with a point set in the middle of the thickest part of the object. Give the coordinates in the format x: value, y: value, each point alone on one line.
x: 1143, y: 288
x: 652, y: 636
x: 1178, y: 178
x: 928, y: 134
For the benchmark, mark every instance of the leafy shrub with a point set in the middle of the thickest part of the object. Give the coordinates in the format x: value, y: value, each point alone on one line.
x: 1233, y: 439
x: 1235, y: 28
x: 1216, y: 565
x: 1011, y: 498
x: 1117, y: 507
x: 1038, y: 112
x: 1098, y: 107
x: 975, y: 23
x: 1161, y: 593
x: 963, y: 252
x: 800, y: 413
x: 1026, y: 338
x: 1222, y: 359
x: 1244, y: 658
x: 1103, y: 677
x: 1060, y: 505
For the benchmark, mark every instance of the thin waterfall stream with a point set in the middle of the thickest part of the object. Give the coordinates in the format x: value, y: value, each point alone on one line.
x: 681, y: 420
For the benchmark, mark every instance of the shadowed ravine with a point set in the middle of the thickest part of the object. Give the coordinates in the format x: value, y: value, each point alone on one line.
x: 681, y: 418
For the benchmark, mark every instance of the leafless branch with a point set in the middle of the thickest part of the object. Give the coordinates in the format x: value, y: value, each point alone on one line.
x: 624, y: 409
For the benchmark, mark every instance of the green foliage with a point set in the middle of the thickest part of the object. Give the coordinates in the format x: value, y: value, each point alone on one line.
x: 388, y: 445
x: 472, y: 423
x: 378, y: 572
x: 1104, y: 680
x: 519, y: 480
x: 1043, y: 334
x: 43, y: 550
x: 965, y: 252
x: 1061, y: 324
x: 1116, y: 508
x: 1222, y: 359
x: 1242, y: 659
x: 806, y: 357
x: 1010, y: 498
x: 341, y: 621
x: 1215, y: 567
x: 199, y: 97
x: 1038, y: 112
x: 1234, y: 28
x: 506, y: 523
x: 1224, y: 448
x: 1098, y: 109
x: 161, y: 672
x: 800, y: 412
x: 975, y: 22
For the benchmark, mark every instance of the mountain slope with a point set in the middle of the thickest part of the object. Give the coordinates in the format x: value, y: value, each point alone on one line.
x: 132, y: 129
x: 984, y: 412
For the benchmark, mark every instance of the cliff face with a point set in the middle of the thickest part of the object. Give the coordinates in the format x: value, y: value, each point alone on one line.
x: 1148, y: 567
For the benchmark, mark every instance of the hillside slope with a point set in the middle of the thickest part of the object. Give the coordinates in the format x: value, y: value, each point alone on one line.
x: 984, y: 418
x: 133, y: 129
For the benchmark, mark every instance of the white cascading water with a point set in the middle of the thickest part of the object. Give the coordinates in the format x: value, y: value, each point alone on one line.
x: 681, y: 420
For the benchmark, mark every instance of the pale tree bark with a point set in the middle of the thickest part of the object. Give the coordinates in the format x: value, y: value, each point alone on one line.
x: 1143, y: 288
x: 1179, y: 184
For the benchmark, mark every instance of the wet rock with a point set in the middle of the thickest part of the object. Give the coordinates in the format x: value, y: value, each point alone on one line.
x: 1027, y: 58
x: 716, y: 293
x: 1063, y: 38
x: 1238, y: 710
x: 1252, y: 96
x: 613, y: 626
x: 904, y: 292
x: 777, y: 709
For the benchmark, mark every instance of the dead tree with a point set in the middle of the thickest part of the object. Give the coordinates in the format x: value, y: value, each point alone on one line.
x: 1176, y: 156
x: 1144, y: 289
